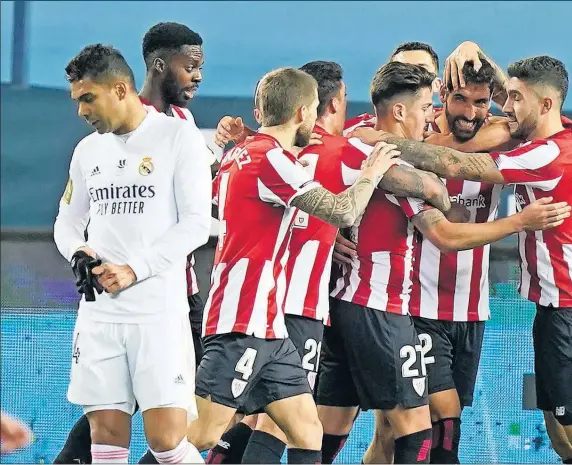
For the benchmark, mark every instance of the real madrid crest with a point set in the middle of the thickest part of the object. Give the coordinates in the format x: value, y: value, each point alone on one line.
x: 146, y: 167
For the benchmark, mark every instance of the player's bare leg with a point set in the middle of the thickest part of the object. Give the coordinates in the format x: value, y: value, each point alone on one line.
x: 233, y: 443
x: 412, y: 432
x: 110, y: 436
x: 297, y: 417
x: 382, y: 445
x: 337, y: 423
x: 166, y: 433
x: 208, y: 428
x: 446, y: 410
x: 560, y: 437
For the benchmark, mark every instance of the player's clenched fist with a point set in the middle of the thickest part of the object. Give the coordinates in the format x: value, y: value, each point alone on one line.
x: 114, y: 278
x: 383, y: 157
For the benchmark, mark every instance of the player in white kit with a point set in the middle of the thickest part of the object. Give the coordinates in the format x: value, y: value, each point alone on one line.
x: 143, y: 186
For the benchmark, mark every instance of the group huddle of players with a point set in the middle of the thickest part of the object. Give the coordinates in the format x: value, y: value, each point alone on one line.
x: 351, y: 271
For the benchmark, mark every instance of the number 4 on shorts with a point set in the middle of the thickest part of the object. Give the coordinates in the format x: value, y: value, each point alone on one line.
x: 244, y: 366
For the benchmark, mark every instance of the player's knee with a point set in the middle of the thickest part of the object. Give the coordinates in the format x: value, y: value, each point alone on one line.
x: 445, y: 404
x: 382, y: 431
x: 307, y: 434
x: 203, y: 438
x: 163, y: 441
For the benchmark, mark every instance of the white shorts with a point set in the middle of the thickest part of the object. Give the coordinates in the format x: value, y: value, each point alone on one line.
x: 115, y: 365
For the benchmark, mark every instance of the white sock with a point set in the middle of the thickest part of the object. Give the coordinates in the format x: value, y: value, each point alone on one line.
x: 101, y: 453
x: 183, y: 453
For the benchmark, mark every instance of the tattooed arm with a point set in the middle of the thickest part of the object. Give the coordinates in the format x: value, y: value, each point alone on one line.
x: 448, y: 162
x: 343, y: 209
x: 340, y: 210
x: 405, y: 181
x: 451, y: 237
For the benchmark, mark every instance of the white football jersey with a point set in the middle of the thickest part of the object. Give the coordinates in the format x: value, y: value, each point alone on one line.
x: 147, y: 198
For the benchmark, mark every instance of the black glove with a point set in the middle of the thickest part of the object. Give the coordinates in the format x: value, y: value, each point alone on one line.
x: 86, y: 281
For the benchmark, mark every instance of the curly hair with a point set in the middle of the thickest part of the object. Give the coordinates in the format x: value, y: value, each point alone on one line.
x: 98, y: 61
x: 168, y: 38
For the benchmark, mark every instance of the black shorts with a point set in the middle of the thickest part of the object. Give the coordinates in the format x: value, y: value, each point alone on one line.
x: 451, y: 351
x: 552, y: 336
x: 248, y: 373
x: 370, y: 359
x: 306, y: 335
x: 196, y: 308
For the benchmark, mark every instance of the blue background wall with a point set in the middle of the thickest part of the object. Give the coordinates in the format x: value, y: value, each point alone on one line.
x: 243, y: 40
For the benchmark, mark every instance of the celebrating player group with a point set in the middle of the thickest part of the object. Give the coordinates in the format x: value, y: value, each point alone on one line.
x: 351, y: 270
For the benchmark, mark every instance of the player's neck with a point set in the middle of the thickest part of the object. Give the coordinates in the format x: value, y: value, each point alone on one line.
x: 551, y: 125
x: 389, y: 124
x: 137, y: 114
x: 328, y: 125
x: 285, y: 135
x: 153, y: 95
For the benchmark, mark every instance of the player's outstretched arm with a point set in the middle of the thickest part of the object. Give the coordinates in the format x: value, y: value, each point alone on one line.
x: 73, y: 213
x: 406, y: 181
x: 343, y: 209
x: 193, y: 193
x: 450, y: 237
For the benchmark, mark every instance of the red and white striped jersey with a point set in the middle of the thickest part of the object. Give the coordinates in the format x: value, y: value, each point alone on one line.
x: 380, y: 276
x: 543, y: 168
x: 254, y: 188
x: 365, y: 119
x: 455, y: 286
x: 182, y: 113
x: 312, y: 243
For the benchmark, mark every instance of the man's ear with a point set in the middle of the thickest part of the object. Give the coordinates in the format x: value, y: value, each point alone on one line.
x: 399, y: 111
x: 443, y: 92
x: 547, y: 104
x: 121, y: 89
x: 159, y: 65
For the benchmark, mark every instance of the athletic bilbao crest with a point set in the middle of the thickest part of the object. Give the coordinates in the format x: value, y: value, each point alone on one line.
x: 237, y: 387
x: 419, y: 386
x: 312, y: 379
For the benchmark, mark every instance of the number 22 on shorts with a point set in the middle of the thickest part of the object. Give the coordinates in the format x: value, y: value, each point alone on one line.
x: 244, y: 366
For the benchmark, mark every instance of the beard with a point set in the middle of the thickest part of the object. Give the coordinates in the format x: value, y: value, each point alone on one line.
x: 173, y: 93
x: 460, y: 133
x: 302, y: 137
x: 524, y: 128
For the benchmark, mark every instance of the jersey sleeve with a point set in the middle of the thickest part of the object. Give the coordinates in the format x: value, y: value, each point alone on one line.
x: 73, y: 213
x: 281, y: 178
x: 193, y: 195
x: 531, y: 165
x: 409, y: 205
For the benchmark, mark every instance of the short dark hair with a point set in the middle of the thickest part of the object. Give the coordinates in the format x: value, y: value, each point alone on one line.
x: 99, y: 61
x: 328, y: 75
x: 421, y: 46
x: 281, y: 92
x: 396, y: 78
x: 543, y: 70
x: 168, y: 37
x: 485, y: 75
